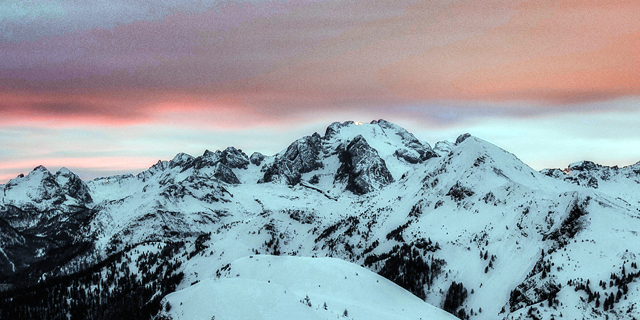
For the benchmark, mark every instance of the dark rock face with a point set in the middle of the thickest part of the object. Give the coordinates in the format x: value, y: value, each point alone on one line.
x: 223, y: 173
x: 207, y: 159
x: 300, y: 157
x: 458, y: 192
x: 72, y: 185
x: 584, y: 166
x: 362, y: 167
x: 221, y: 161
x: 234, y: 158
x: 553, y: 173
x: 231, y: 157
x: 407, y: 156
x: 592, y: 183
x: 181, y: 160
x: 256, y: 158
x: 334, y: 128
x: 584, y: 173
x: 462, y: 138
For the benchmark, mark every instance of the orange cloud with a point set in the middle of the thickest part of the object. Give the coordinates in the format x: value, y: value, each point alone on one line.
x: 550, y: 50
x: 600, y: 74
x: 248, y: 66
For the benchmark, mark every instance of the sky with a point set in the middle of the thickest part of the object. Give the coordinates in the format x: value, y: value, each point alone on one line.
x: 110, y: 87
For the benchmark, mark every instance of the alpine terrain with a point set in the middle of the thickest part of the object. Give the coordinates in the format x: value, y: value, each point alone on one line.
x: 363, y: 221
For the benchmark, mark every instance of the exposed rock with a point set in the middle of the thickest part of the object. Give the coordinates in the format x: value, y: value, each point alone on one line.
x: 42, y: 213
x: 592, y: 183
x: 584, y: 166
x: 72, y: 185
x: 300, y: 157
x: 408, y: 156
x: 334, y: 128
x: 458, y: 192
x: 160, y: 166
x: 462, y: 138
x: 583, y: 173
x: 256, y: 158
x: 207, y: 159
x: 234, y: 158
x: 181, y: 160
x: 362, y: 167
x: 223, y: 173
x: 554, y: 173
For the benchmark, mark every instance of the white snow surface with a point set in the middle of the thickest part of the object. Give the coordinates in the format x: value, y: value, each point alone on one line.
x: 275, y: 287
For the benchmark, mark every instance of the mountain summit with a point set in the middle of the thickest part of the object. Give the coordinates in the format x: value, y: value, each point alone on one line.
x: 464, y: 226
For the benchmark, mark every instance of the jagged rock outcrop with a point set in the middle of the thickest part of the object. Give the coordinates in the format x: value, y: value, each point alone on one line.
x: 410, y: 148
x: 362, y: 167
x: 423, y: 150
x: 256, y: 158
x: 223, y: 173
x: 229, y: 157
x: 334, y: 128
x: 210, y: 164
x: 443, y: 148
x: 72, y: 185
x: 584, y: 166
x: 407, y: 156
x: 593, y: 175
x: 207, y: 159
x: 234, y: 158
x: 300, y: 157
x: 181, y: 160
x: 462, y: 138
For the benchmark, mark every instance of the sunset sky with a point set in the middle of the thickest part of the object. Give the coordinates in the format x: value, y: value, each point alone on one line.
x: 112, y: 86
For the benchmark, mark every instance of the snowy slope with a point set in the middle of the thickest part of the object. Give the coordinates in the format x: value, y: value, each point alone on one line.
x: 271, y: 287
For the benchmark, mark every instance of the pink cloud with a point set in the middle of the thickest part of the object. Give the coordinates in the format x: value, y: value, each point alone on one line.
x: 264, y: 64
x: 550, y: 51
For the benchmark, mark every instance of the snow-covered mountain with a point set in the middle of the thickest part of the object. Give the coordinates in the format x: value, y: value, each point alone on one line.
x: 465, y: 226
x: 270, y: 287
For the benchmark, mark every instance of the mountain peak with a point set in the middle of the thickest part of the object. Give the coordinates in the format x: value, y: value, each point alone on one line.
x: 37, y: 187
x: 336, y: 127
x: 461, y: 138
x: 71, y: 185
x: 182, y: 158
x: 64, y: 171
x: 584, y: 165
x: 40, y: 168
x: 234, y: 158
x: 362, y: 167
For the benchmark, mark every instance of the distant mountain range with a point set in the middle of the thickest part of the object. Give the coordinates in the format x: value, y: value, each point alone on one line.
x: 464, y: 226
